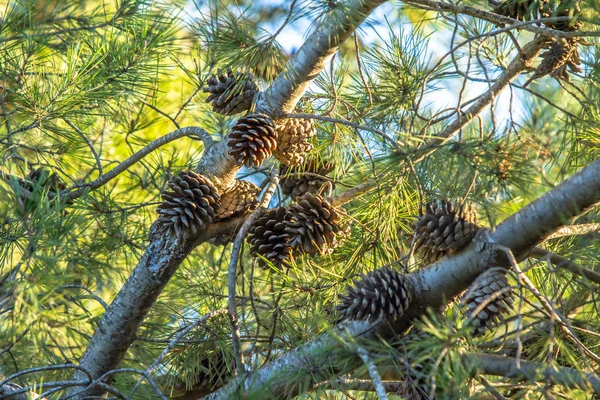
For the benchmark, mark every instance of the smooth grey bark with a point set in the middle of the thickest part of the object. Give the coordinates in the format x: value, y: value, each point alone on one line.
x: 118, y: 326
x: 434, y: 286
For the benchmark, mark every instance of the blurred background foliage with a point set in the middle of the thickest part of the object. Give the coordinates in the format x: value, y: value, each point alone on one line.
x: 85, y: 84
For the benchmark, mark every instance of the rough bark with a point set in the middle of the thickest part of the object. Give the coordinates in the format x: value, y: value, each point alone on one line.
x: 434, y: 286
x: 118, y: 326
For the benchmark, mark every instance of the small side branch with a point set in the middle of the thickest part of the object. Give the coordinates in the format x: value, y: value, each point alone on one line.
x: 373, y: 373
x: 149, y: 148
x: 232, y: 274
x: 350, y: 194
x: 563, y: 262
x: 575, y: 230
x: 507, y: 367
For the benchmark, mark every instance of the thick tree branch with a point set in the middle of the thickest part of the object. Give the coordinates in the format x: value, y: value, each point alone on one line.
x: 312, y: 56
x: 433, y: 286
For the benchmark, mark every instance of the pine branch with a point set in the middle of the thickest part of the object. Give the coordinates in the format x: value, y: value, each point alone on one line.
x: 81, y: 189
x: 119, y: 325
x: 433, y: 286
x: 518, y: 65
x: 563, y: 262
x: 575, y: 230
x: 533, y: 371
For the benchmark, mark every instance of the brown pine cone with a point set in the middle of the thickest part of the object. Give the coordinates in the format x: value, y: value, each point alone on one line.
x: 554, y: 58
x: 443, y: 229
x: 295, y: 183
x: 523, y: 10
x: 293, y: 143
x: 232, y: 93
x: 268, y: 239
x: 382, y: 293
x: 240, y: 199
x: 491, y: 288
x: 252, y: 139
x: 313, y: 225
x: 190, y: 205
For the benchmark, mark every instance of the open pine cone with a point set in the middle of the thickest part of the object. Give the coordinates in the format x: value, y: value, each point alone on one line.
x: 238, y: 200
x: 491, y: 288
x: 295, y: 183
x: 293, y: 143
x: 313, y: 225
x: 190, y: 205
x: 267, y: 237
x: 252, y: 139
x: 382, y: 293
x: 443, y: 229
x: 232, y: 93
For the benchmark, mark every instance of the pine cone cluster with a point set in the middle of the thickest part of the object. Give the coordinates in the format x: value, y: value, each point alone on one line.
x: 252, y: 139
x: 312, y: 226
x: 268, y: 239
x: 294, y: 182
x: 190, y: 205
x: 240, y: 199
x: 293, y: 143
x: 491, y: 288
x: 444, y: 229
x: 382, y: 293
x: 231, y: 93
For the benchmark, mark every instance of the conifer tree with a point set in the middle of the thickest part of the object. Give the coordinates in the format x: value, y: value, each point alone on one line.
x: 405, y: 206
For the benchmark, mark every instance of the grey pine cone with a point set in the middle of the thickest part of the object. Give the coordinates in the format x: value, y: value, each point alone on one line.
x: 267, y: 238
x: 313, y: 225
x: 252, y: 139
x: 190, y: 205
x: 297, y: 181
x: 231, y: 93
x: 238, y: 200
x: 443, y: 229
x: 382, y: 293
x: 491, y: 288
x: 293, y: 143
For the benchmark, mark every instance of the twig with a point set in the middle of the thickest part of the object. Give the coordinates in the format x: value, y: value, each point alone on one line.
x: 384, y: 135
x: 235, y: 254
x: 122, y: 167
x: 90, y: 145
x: 575, y: 230
x: 563, y: 262
x: 350, y: 194
x: 564, y: 323
x: 373, y: 373
x: 506, y: 366
x: 172, y: 344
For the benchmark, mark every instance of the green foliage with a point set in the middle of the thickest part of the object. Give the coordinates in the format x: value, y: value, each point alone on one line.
x: 86, y: 83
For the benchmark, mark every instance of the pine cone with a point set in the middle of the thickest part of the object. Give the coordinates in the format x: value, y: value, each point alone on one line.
x: 238, y: 200
x: 523, y: 10
x: 293, y: 142
x: 252, y: 139
x: 43, y: 178
x: 191, y: 203
x: 382, y: 293
x: 553, y: 59
x: 313, y: 225
x: 232, y: 93
x: 488, y: 288
x: 267, y: 237
x: 294, y: 183
x: 443, y: 230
